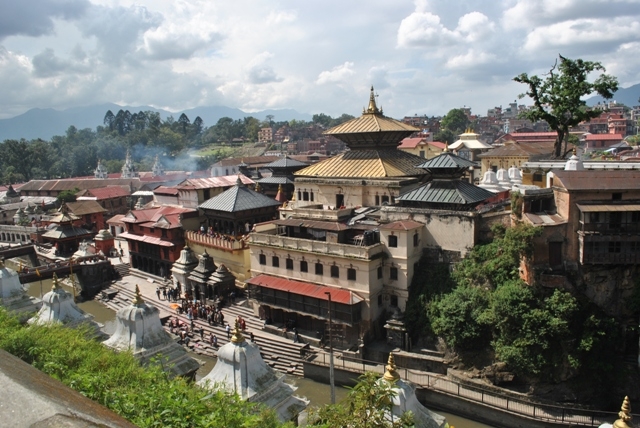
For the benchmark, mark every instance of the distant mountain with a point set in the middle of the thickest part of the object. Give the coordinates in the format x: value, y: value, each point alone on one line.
x: 45, y: 123
x: 627, y: 96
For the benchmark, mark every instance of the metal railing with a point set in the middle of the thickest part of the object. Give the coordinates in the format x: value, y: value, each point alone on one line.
x: 443, y: 384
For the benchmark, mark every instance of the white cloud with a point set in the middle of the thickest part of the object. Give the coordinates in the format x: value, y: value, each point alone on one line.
x: 423, y: 29
x: 337, y: 74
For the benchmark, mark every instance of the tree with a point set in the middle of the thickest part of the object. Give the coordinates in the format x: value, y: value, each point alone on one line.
x: 109, y: 120
x: 455, y: 121
x: 184, y: 121
x: 368, y: 405
x: 197, y: 124
x: 558, y: 97
x: 68, y: 195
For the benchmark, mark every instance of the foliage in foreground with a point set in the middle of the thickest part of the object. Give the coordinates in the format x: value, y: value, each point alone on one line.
x: 547, y: 334
x: 144, y: 396
x: 367, y: 405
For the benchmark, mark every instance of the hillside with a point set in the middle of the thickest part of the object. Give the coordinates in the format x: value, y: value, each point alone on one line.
x: 627, y: 96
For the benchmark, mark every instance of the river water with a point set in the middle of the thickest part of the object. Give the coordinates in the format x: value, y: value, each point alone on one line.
x: 318, y: 393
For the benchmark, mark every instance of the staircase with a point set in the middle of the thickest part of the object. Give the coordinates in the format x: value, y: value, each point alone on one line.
x: 278, y: 352
x: 122, y: 269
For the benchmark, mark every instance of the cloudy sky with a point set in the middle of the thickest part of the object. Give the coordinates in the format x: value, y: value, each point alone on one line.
x: 423, y: 57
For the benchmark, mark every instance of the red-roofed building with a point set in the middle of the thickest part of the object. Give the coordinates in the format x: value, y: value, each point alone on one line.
x: 601, y: 141
x: 422, y: 146
x: 112, y: 198
x: 156, y: 236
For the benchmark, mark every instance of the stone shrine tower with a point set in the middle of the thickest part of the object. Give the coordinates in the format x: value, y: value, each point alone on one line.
x: 128, y: 169
x: 13, y: 297
x: 241, y: 370
x: 139, y: 330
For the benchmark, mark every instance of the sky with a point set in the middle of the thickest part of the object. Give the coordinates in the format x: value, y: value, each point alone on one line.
x: 422, y: 57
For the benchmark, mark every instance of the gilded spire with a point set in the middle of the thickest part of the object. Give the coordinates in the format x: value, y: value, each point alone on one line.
x: 55, y: 286
x: 372, y: 104
x: 137, y: 300
x: 258, y: 188
x: 446, y: 147
x: 391, y: 374
x: 237, y: 334
x: 625, y: 415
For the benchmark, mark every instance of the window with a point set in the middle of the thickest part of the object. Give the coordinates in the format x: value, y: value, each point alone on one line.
x: 275, y: 261
x: 416, y: 239
x: 422, y: 153
x: 377, y: 200
x: 304, y: 267
x: 351, y: 274
x: 385, y: 200
x: 335, y: 272
x: 164, y: 233
x: 537, y: 176
x: 289, y: 264
x: 311, y: 196
x: 614, y: 247
x: 394, y: 301
x: 393, y: 241
x: 263, y: 259
x: 305, y: 196
x: 393, y: 273
x: 319, y: 268
x: 616, y: 196
x: 165, y: 253
x: 379, y: 272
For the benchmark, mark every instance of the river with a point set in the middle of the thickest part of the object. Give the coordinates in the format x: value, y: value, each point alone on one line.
x: 318, y: 393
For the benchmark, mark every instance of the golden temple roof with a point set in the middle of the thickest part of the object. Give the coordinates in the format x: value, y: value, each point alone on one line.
x: 372, y: 129
x: 366, y: 164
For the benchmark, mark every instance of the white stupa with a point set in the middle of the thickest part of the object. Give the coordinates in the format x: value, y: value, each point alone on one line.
x: 503, y: 179
x: 515, y: 175
x: 574, y: 163
x: 405, y: 400
x: 13, y: 296
x: 241, y: 370
x: 58, y: 306
x: 490, y: 182
x: 139, y: 331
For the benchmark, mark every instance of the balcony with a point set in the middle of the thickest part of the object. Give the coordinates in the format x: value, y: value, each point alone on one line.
x: 318, y: 212
x: 319, y: 247
x: 610, y: 228
x: 205, y: 240
x: 609, y: 249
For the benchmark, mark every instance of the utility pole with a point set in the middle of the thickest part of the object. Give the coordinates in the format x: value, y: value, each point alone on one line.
x: 331, y: 378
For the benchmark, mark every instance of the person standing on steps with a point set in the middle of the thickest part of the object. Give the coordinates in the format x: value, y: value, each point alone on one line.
x: 228, y: 328
x: 158, y: 292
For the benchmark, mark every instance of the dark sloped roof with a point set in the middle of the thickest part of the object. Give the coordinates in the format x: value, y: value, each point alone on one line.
x: 275, y: 180
x: 238, y: 198
x: 445, y: 161
x: 447, y: 192
x: 286, y: 162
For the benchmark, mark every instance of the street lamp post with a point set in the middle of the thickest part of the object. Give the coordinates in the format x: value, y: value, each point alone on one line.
x: 331, y: 378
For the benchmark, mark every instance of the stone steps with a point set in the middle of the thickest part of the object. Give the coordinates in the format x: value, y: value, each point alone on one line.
x: 278, y: 352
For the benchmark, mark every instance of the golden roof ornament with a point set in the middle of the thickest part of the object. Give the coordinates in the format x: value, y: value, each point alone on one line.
x: 625, y: 415
x: 446, y: 147
x: 372, y: 108
x: 137, y: 300
x: 391, y: 374
x: 575, y: 151
x: 55, y: 286
x: 237, y: 334
x: 258, y: 188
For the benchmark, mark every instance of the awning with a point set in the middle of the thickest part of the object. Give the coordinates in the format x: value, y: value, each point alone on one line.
x: 148, y: 239
x: 608, y: 208
x: 338, y: 295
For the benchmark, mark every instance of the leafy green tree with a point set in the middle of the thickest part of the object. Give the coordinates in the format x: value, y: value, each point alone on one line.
x: 367, y: 405
x: 455, y: 121
x: 184, y: 122
x: 558, y: 98
x: 322, y: 119
x: 445, y: 136
x: 109, y: 119
x: 67, y: 195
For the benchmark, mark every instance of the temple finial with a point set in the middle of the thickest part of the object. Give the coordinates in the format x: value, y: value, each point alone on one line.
x: 237, y: 334
x: 624, y: 415
x: 372, y: 103
x: 446, y: 147
x: 137, y: 300
x: 55, y: 286
x: 391, y: 374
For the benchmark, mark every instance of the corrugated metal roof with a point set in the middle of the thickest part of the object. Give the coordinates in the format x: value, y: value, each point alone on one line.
x: 597, y: 179
x: 545, y: 219
x: 338, y: 295
x: 62, y: 232
x: 411, y: 143
x: 70, y: 184
x: 447, y: 192
x: 312, y: 224
x: 521, y: 148
x: 248, y: 160
x: 286, y: 162
x: 370, y: 122
x: 608, y: 207
x: 366, y: 164
x: 603, y: 137
x: 163, y: 190
x: 446, y: 160
x: 238, y: 198
x: 213, y: 182
x: 85, y: 207
x: 147, y: 239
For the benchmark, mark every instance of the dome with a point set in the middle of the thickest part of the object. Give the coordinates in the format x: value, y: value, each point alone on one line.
x: 12, y: 295
x: 490, y: 182
x: 574, y: 163
x: 503, y: 178
x: 515, y: 175
x: 241, y: 370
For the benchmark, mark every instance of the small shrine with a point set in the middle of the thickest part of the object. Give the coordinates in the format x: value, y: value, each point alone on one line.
x: 64, y: 236
x: 128, y: 169
x: 13, y: 296
x: 182, y: 268
x: 397, y: 331
x: 197, y: 286
x: 241, y: 370
x: 58, y: 306
x: 100, y: 171
x: 404, y: 399
x: 221, y: 282
x: 139, y: 331
x: 104, y: 242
